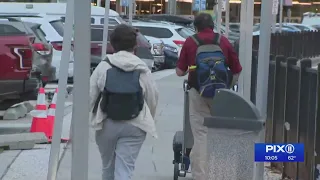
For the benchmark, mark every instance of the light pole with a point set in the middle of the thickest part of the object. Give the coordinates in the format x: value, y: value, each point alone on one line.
x: 263, y: 71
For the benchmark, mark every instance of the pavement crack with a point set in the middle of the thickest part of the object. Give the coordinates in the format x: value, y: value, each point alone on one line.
x: 153, y: 162
x: 9, y: 166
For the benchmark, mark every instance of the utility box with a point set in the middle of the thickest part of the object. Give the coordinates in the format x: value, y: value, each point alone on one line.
x: 233, y: 129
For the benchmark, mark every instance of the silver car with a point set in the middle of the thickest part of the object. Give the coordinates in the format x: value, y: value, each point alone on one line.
x: 42, y: 61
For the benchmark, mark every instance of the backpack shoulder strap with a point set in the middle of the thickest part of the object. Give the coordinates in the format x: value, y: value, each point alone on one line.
x: 108, y: 61
x: 216, y: 39
x: 197, y: 40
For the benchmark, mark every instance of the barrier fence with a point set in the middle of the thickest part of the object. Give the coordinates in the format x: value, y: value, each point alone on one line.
x: 293, y: 114
x: 293, y: 44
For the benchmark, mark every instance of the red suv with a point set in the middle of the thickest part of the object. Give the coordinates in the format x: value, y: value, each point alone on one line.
x: 17, y: 81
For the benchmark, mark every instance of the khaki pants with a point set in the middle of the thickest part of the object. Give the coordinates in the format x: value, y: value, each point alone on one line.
x: 199, y: 108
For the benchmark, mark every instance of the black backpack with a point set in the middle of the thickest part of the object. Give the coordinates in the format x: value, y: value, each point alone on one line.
x: 122, y: 97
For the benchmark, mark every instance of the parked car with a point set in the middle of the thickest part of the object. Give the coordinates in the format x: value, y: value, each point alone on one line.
x: 171, y: 34
x: 52, y: 29
x: 310, y: 18
x: 18, y: 81
x: 143, y: 49
x: 316, y: 26
x: 42, y: 56
x: 232, y: 36
x: 303, y: 27
x: 286, y: 26
x: 179, y: 20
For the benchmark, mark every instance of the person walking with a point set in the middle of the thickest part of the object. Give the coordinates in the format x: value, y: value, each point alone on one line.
x: 212, y: 63
x: 123, y: 104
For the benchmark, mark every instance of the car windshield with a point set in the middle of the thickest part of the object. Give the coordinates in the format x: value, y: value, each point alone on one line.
x: 185, y: 32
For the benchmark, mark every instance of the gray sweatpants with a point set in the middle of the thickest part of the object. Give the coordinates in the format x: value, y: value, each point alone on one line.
x: 119, y: 144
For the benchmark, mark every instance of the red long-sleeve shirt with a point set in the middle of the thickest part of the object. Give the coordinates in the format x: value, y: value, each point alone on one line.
x: 188, y: 54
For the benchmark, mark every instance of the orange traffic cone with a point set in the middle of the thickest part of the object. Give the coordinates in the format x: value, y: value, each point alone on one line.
x: 51, y: 117
x: 39, y: 120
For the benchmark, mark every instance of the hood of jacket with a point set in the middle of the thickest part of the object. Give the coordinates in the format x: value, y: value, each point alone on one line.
x: 128, y: 61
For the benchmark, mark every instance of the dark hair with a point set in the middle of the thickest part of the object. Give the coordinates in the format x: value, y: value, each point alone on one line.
x: 203, y: 21
x: 123, y: 38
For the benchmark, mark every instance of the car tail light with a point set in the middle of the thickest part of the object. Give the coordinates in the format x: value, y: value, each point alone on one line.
x: 45, y: 78
x: 25, y: 55
x: 41, y: 49
x: 57, y: 45
x: 178, y: 43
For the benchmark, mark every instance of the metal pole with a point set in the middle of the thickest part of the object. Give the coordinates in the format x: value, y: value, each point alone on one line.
x: 274, y: 21
x: 80, y: 113
x: 227, y: 17
x: 248, y: 43
x: 130, y: 11
x: 62, y: 85
x: 105, y: 30
x: 263, y: 71
x: 275, y: 10
x: 242, y: 49
x: 219, y: 16
x: 99, y: 3
x: 281, y: 15
x: 135, y: 7
x: 215, y: 12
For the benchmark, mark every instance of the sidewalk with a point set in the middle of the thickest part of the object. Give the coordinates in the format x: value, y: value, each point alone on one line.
x: 155, y: 159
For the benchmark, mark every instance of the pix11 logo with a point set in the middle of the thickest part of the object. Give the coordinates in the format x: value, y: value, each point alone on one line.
x: 278, y: 152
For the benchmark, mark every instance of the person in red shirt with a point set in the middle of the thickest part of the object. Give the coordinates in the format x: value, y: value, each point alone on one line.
x: 199, y: 106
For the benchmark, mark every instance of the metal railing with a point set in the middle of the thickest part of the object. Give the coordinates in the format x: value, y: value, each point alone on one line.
x: 293, y: 44
x: 293, y: 114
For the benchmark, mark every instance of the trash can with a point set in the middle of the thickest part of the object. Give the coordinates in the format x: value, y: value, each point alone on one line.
x: 233, y: 129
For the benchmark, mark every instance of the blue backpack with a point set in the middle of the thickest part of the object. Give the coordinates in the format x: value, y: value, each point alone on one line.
x: 211, y: 69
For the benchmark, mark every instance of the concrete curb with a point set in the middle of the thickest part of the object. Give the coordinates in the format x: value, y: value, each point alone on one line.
x: 21, y: 141
x: 18, y: 111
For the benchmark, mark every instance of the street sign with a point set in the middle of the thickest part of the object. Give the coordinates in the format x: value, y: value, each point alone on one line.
x: 124, y: 3
x: 223, y: 8
x: 275, y: 7
x: 199, y: 5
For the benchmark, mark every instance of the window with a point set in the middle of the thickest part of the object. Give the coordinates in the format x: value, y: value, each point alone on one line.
x: 185, y: 32
x: 141, y: 39
x: 155, y: 32
x: 58, y: 26
x: 39, y: 33
x: 111, y: 21
x: 97, y: 34
x: 63, y: 19
x: 6, y: 29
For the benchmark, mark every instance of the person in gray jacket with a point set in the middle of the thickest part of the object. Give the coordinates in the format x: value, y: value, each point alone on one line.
x: 119, y: 142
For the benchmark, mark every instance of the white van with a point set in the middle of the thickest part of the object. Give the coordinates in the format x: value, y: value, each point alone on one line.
x: 54, y: 11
